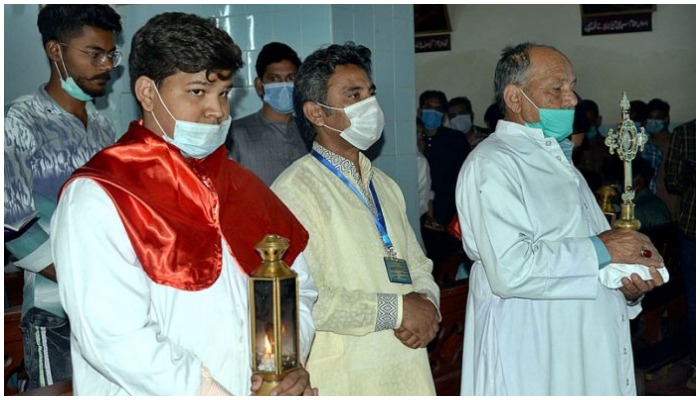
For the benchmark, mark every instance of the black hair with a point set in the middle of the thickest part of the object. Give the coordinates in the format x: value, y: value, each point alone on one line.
x: 62, y: 22
x: 433, y: 94
x: 463, y: 101
x: 658, y: 104
x: 492, y: 115
x: 273, y: 53
x: 638, y: 111
x: 178, y: 42
x: 589, y: 106
x: 311, y: 82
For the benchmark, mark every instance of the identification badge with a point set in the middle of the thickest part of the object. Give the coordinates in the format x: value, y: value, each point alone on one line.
x: 397, y: 269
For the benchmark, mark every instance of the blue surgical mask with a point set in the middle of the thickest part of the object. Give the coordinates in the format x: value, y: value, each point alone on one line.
x: 279, y: 96
x: 431, y: 119
x: 195, y: 139
x: 555, y: 123
x: 462, y: 123
x: 69, y: 85
x: 654, y: 126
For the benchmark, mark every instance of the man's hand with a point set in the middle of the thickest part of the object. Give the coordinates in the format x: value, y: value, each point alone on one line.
x: 634, y: 286
x: 626, y: 246
x: 295, y: 383
x: 408, y: 338
x: 420, y: 319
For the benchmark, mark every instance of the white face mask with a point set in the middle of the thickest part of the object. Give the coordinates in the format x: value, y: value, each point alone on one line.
x: 366, y: 123
x: 195, y: 139
x: 462, y: 123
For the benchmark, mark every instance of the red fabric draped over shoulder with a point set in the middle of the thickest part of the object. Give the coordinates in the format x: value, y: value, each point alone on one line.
x: 174, y: 208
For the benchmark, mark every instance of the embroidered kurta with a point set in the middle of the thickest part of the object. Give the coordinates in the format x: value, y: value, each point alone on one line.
x: 538, y: 321
x: 355, y: 351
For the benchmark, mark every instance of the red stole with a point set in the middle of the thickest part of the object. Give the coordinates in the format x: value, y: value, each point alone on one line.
x: 168, y: 203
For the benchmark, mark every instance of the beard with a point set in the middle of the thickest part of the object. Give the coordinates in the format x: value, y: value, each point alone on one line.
x: 92, y: 87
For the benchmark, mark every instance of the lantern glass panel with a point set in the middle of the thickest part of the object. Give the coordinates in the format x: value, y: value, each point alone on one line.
x: 288, y: 296
x: 264, y: 326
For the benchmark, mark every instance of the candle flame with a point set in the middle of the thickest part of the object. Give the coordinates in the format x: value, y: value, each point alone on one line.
x: 268, y: 346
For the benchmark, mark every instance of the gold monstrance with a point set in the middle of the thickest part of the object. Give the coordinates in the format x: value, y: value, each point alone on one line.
x: 627, y: 141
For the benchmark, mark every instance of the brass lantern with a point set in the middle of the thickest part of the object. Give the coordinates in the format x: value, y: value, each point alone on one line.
x: 274, y: 314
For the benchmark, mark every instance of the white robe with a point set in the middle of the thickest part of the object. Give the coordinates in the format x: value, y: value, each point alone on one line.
x: 538, y: 321
x: 132, y: 336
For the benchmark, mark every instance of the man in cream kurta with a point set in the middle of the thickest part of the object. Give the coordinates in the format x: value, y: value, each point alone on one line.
x: 539, y: 321
x: 371, y: 332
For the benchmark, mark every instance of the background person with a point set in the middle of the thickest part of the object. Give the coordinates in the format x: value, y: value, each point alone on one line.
x: 268, y: 141
x: 47, y: 136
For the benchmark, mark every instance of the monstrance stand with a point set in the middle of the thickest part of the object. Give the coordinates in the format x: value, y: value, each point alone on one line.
x: 626, y: 141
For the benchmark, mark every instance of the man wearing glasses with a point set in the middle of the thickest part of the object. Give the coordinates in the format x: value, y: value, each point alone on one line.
x: 47, y: 136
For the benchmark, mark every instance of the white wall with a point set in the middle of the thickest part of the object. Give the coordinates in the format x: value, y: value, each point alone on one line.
x: 24, y: 54
x: 660, y: 63
x: 386, y: 29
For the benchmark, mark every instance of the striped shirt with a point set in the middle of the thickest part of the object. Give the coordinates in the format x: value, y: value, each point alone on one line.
x: 43, y: 145
x: 680, y: 173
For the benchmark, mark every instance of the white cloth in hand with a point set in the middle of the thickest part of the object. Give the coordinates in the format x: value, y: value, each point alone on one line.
x: 611, y: 275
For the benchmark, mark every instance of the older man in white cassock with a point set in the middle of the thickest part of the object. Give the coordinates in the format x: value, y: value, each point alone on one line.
x: 552, y: 288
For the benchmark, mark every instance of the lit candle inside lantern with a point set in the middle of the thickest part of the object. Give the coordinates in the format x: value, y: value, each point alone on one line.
x: 267, y: 363
x: 273, y: 296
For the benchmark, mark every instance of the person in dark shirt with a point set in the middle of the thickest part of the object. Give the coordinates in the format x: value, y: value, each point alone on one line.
x: 446, y: 149
x: 680, y: 179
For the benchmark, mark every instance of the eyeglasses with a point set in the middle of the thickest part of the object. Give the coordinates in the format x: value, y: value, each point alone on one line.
x: 99, y: 58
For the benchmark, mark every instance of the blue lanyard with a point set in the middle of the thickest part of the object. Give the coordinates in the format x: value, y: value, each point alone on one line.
x: 379, y: 218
